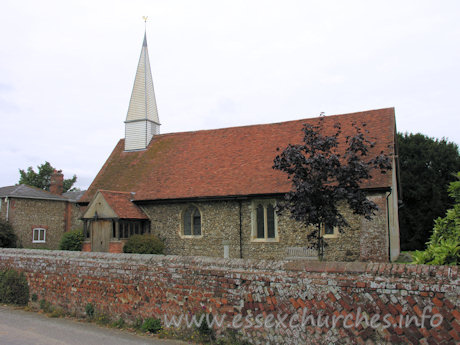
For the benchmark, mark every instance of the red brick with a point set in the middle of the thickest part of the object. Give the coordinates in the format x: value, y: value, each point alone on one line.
x: 331, y: 297
x: 294, y: 303
x: 454, y: 334
x: 456, y: 325
x: 456, y: 314
x: 437, y: 302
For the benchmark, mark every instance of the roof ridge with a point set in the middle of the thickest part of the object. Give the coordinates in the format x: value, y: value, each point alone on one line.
x: 17, y: 187
x: 42, y: 190
x: 272, y: 123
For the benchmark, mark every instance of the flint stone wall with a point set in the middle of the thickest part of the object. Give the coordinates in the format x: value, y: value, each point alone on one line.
x: 135, y: 286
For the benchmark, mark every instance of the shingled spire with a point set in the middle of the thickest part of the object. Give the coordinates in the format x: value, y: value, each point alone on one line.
x: 142, y: 121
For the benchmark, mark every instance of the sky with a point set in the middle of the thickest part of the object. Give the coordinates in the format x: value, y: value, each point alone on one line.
x: 67, y: 69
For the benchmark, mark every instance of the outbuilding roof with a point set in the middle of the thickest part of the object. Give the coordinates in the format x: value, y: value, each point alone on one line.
x: 226, y: 162
x: 29, y: 192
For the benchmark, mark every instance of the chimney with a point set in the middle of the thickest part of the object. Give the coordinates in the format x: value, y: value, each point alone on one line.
x: 57, y: 182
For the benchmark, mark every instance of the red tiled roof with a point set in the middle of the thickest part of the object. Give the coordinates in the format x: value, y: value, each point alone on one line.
x: 121, y: 204
x: 226, y: 162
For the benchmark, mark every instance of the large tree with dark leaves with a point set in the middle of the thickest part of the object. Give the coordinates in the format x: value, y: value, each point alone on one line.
x: 42, y: 178
x: 323, y: 176
x: 428, y: 166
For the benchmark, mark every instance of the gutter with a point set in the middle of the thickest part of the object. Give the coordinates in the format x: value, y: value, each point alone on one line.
x: 224, y: 198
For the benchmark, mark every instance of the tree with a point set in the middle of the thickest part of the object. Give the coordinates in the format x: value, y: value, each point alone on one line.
x: 427, y: 167
x: 322, y: 177
x: 42, y: 178
x: 444, y: 245
x: 7, y: 236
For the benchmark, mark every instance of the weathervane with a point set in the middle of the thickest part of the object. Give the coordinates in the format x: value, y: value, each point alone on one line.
x: 145, y: 18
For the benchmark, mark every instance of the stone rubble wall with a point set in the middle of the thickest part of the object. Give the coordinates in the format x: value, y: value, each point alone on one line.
x: 362, y: 241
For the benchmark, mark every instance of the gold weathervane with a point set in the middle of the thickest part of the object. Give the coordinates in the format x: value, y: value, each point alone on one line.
x: 145, y: 18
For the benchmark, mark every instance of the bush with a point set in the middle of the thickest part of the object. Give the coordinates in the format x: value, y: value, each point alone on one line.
x: 46, y: 306
x: 446, y: 252
x: 120, y: 323
x: 8, y: 238
x: 206, y: 333
x: 151, y: 325
x: 14, y: 288
x: 72, y: 240
x: 144, y: 244
x: 444, y: 245
x: 89, y: 310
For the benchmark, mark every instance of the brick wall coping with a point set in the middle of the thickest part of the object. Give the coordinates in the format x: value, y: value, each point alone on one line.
x: 449, y: 274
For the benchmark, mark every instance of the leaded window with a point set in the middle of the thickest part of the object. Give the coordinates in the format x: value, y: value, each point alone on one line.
x: 192, y: 221
x: 264, y: 220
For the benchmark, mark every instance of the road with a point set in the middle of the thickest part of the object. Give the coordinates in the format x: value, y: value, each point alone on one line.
x: 19, y: 327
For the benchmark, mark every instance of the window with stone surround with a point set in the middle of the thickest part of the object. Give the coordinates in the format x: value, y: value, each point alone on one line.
x: 191, y: 222
x: 264, y: 221
x: 329, y: 231
x: 39, y: 235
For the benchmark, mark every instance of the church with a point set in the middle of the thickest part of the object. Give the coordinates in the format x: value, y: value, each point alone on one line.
x: 214, y: 192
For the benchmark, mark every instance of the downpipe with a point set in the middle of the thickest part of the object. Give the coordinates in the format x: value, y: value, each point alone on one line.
x: 388, y: 225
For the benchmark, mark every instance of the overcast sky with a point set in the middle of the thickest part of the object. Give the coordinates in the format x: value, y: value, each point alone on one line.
x: 67, y: 69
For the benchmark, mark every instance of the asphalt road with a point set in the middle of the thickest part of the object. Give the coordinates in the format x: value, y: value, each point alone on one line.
x: 18, y: 327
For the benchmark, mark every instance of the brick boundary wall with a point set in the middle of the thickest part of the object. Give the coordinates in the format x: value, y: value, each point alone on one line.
x: 140, y: 286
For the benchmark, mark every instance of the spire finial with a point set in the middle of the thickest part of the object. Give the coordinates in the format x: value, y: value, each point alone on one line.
x: 145, y: 30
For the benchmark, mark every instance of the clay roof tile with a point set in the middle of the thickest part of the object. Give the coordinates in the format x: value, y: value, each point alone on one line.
x: 227, y: 162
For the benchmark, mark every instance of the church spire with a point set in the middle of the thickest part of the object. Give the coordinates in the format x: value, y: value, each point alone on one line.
x: 142, y: 121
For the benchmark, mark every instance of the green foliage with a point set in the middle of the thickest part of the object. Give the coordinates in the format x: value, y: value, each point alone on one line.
x: 89, y: 310
x: 120, y: 323
x: 232, y: 337
x: 427, y: 166
x: 404, y: 258
x: 151, y: 325
x: 144, y: 244
x: 34, y: 297
x: 42, y: 178
x: 206, y: 333
x: 43, y: 304
x: 8, y: 238
x: 72, y: 240
x: 14, y: 288
x: 447, y: 252
x: 101, y: 319
x: 57, y: 312
x: 444, y: 245
x: 46, y: 306
x: 138, y: 323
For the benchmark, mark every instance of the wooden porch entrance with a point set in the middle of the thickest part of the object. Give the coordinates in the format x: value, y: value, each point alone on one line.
x: 100, y: 235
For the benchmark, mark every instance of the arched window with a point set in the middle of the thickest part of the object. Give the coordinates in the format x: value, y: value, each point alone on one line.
x: 192, y: 222
x: 264, y: 221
